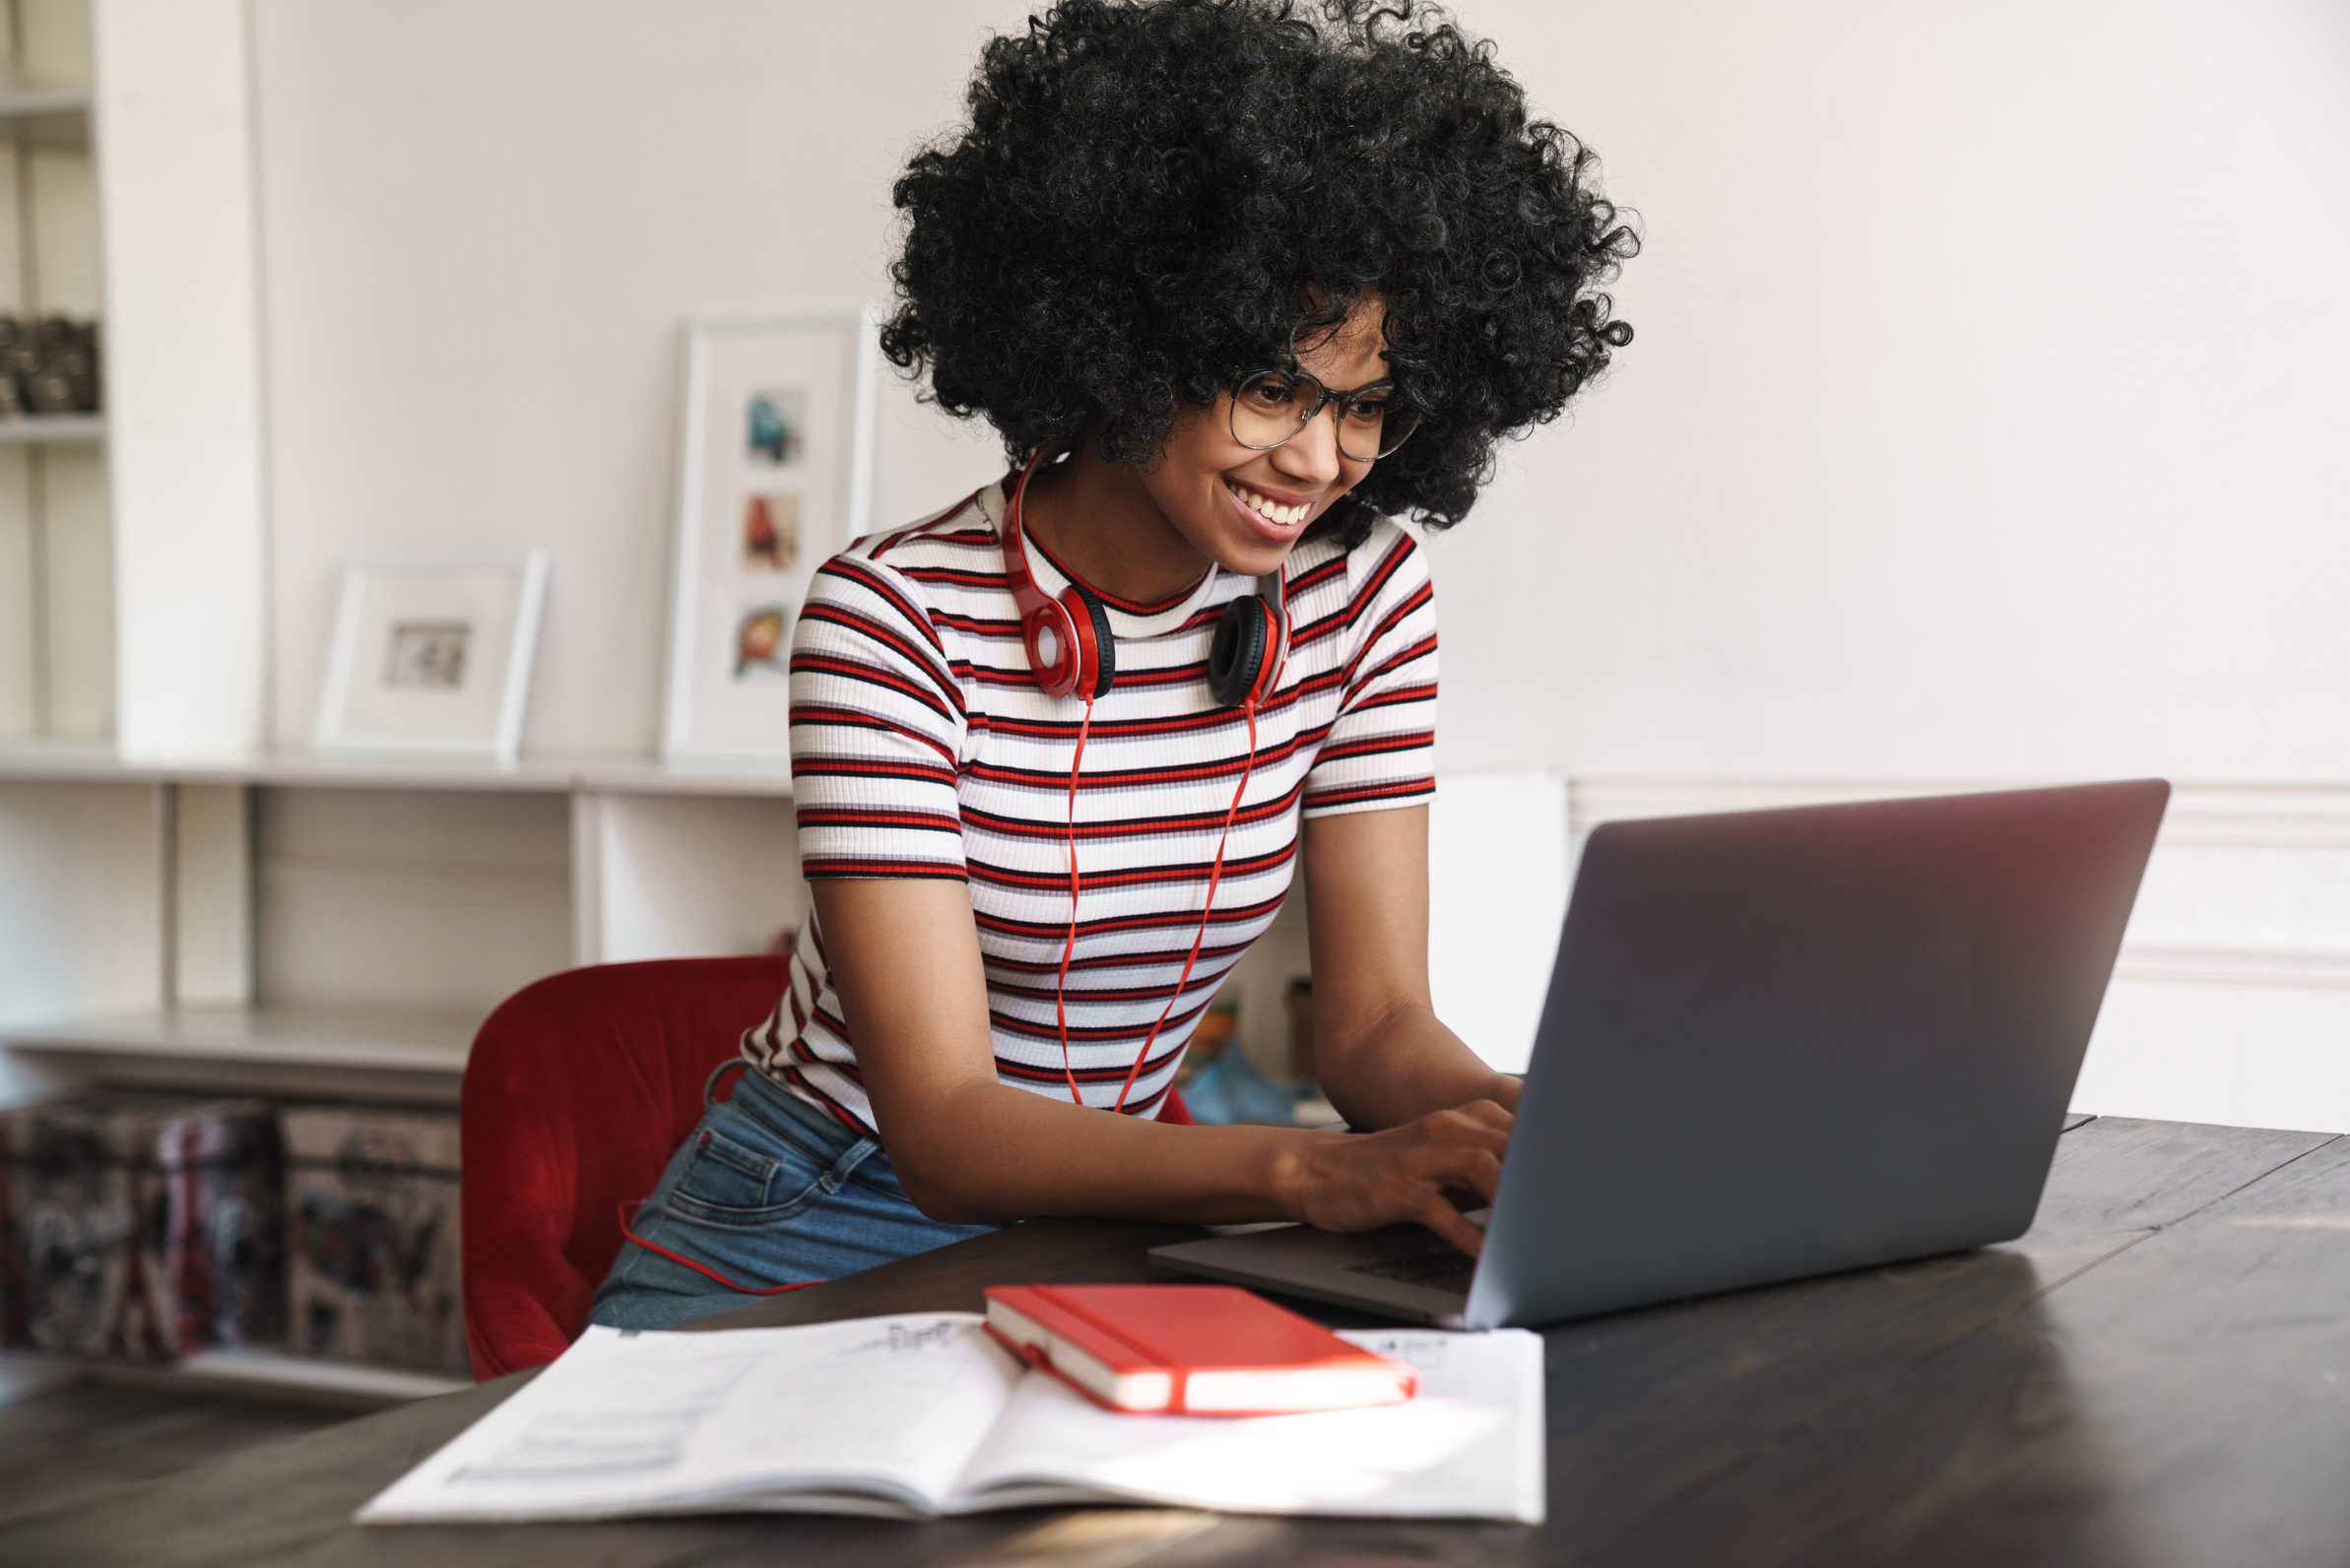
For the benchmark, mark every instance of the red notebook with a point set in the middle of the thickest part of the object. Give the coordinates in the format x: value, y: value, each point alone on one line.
x: 1189, y: 1350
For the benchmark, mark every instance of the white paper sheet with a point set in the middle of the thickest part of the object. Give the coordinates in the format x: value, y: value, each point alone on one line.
x: 1470, y: 1444
x: 632, y: 1423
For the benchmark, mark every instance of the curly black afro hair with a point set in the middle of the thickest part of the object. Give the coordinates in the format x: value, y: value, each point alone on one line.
x: 1154, y: 197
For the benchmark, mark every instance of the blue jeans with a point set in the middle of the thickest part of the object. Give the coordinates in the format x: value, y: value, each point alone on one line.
x: 765, y: 1190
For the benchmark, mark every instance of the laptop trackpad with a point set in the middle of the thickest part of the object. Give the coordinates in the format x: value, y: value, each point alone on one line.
x: 1401, y: 1268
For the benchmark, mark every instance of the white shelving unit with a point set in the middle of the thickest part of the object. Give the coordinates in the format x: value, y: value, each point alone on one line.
x: 177, y: 909
x: 97, y: 764
x: 309, y: 929
x: 250, y: 1368
x: 292, y: 926
x: 410, y: 1058
x: 56, y: 559
x: 245, y: 1369
x: 132, y: 591
x: 170, y: 903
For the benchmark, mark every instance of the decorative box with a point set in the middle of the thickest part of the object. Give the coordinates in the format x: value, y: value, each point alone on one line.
x: 139, y: 1228
x: 372, y: 1225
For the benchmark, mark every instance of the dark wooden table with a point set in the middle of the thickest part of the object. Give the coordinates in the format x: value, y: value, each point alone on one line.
x: 2159, y: 1373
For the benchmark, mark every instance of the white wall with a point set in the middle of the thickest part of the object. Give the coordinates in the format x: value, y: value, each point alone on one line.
x: 1987, y: 417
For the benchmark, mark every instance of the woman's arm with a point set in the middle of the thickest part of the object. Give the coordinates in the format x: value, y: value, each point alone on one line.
x: 1380, y: 1054
x: 904, y: 955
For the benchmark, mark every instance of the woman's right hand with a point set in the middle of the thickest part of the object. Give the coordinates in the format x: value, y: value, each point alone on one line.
x: 1425, y: 1171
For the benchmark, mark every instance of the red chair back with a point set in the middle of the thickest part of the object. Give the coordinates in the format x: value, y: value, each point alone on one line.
x: 578, y: 1089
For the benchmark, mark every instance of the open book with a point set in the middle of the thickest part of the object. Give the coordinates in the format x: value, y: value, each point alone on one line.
x: 919, y: 1415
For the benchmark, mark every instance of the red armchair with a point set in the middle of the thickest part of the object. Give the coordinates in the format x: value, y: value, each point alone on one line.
x: 578, y: 1089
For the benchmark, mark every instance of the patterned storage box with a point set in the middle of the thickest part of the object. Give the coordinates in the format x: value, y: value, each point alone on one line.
x: 371, y: 1216
x: 139, y: 1228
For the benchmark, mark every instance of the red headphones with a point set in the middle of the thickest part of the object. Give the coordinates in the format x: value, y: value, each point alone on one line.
x: 1071, y: 651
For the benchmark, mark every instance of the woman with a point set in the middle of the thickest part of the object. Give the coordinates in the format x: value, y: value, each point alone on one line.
x: 1234, y: 280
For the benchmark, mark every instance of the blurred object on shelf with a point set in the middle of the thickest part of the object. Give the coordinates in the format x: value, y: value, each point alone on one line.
x: 225, y: 1238
x: 1209, y: 1039
x: 138, y: 1228
x: 1230, y: 1090
x: 48, y: 365
x: 372, y: 1217
x: 785, y: 940
x: 1219, y: 1084
x: 1297, y: 1000
x: 67, y: 1279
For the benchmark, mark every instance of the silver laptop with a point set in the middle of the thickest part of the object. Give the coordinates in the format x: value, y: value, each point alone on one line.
x: 1775, y: 1044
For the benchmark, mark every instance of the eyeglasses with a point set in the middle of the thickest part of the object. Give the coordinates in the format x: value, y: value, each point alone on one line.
x: 1269, y: 407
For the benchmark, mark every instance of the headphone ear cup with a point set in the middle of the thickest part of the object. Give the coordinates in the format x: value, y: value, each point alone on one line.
x: 1094, y: 625
x: 1054, y: 652
x: 1236, y: 657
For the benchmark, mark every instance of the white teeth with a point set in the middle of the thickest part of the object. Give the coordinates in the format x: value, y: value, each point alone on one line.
x: 1268, y: 508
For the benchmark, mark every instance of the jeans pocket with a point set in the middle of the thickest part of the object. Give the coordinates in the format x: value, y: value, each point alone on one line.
x: 731, y: 1182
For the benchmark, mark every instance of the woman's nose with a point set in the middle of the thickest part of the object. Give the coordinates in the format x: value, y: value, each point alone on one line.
x: 1311, y: 456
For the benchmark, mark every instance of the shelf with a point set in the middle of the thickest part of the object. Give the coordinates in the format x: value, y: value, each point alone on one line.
x: 34, y: 103
x: 772, y: 779
x: 394, y: 1042
x: 255, y: 1368
x: 47, y: 116
x: 245, y: 1369
x: 36, y: 430
x: 84, y: 762
x: 376, y: 1055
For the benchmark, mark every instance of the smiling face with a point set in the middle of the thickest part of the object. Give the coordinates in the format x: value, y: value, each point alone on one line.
x: 1243, y: 509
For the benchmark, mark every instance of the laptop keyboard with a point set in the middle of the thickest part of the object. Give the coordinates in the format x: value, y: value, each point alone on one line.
x: 1437, y: 1271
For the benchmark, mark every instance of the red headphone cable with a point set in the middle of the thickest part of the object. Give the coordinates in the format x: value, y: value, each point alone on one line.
x: 1216, y: 873
x: 629, y: 1218
x: 1070, y: 944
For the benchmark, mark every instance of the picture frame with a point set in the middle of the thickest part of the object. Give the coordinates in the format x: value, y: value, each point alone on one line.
x: 431, y: 660
x: 774, y: 477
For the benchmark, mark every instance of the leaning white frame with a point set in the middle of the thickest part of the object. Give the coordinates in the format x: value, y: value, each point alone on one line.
x: 505, y: 749
x: 865, y: 322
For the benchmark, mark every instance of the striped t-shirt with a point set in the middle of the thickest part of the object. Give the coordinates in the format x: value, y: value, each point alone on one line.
x: 923, y: 747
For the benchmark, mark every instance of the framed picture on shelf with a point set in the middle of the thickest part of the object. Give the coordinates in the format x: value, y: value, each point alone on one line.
x: 432, y: 658
x: 774, y: 475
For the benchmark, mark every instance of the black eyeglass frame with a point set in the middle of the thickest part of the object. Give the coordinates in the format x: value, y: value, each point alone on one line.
x: 1323, y: 397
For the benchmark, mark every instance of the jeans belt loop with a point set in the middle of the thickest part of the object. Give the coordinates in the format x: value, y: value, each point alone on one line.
x: 709, y: 1089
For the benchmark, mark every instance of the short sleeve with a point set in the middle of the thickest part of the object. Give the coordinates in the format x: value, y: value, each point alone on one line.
x: 1379, y: 751
x: 877, y: 724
